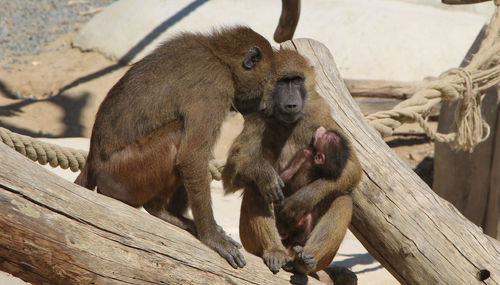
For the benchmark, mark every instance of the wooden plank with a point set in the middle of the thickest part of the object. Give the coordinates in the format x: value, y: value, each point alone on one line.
x: 419, y: 237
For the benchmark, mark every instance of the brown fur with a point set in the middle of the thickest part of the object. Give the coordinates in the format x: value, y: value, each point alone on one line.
x: 194, y: 79
x: 264, y: 144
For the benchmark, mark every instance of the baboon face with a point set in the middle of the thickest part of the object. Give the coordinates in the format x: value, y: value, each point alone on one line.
x: 288, y: 99
x: 293, y: 80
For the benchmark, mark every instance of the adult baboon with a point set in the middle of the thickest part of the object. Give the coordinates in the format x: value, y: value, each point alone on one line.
x: 266, y: 142
x: 155, y: 131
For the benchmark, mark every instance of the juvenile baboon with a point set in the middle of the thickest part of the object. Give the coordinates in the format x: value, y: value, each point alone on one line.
x: 268, y: 141
x: 138, y: 157
x: 325, y: 157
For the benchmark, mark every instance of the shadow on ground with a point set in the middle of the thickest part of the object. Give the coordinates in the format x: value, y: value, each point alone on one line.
x: 358, y: 259
x: 72, y: 107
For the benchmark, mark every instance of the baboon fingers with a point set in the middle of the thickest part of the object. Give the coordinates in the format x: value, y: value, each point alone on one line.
x: 273, y: 264
x: 227, y: 237
x: 298, y: 249
x: 280, y: 181
x: 275, y: 260
x: 232, y: 255
x: 226, y: 249
x: 305, y: 261
x: 309, y: 260
x: 273, y: 194
x: 236, y: 259
x: 232, y: 241
x: 270, y: 185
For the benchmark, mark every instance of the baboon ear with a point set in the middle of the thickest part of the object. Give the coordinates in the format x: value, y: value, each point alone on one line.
x: 319, y: 158
x: 252, y: 56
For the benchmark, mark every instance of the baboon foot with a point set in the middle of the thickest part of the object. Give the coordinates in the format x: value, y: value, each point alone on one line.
x: 275, y: 259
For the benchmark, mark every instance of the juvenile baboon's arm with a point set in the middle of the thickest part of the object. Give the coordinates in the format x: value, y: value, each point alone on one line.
x: 310, y: 195
x: 293, y: 166
x: 246, y: 164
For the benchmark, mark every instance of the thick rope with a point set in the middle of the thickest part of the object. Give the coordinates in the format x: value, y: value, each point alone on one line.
x: 44, y: 152
x: 66, y: 157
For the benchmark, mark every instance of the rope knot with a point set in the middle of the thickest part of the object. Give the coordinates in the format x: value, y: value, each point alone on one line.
x: 468, y: 123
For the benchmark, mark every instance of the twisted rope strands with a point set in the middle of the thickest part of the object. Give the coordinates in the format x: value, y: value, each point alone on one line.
x: 43, y: 152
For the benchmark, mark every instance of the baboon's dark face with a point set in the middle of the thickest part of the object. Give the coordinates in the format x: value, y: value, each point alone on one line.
x: 288, y: 99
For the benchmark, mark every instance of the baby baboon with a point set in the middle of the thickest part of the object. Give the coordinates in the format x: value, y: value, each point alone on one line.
x: 155, y: 131
x: 324, y: 158
x: 293, y: 113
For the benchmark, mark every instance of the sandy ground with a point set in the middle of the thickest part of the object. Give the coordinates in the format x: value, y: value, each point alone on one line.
x: 28, y: 105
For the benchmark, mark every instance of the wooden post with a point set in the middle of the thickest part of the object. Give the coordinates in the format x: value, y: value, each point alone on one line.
x: 419, y: 237
x: 471, y: 181
x: 55, y: 232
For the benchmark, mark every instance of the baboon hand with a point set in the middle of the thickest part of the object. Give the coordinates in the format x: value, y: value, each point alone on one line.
x: 227, y: 237
x: 215, y: 168
x: 270, y: 187
x: 226, y: 247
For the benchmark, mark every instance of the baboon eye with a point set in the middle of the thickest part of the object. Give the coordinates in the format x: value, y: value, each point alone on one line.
x: 296, y: 80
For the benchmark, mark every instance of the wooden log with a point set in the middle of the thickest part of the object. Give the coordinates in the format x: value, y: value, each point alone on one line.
x: 419, y: 237
x: 55, y: 232
x: 382, y: 88
x: 381, y: 95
